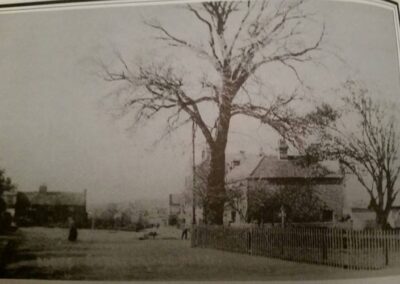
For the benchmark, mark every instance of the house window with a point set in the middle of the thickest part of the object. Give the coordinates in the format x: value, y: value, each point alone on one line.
x: 327, y: 215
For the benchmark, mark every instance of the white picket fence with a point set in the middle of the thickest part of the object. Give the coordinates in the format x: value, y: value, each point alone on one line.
x: 372, y: 249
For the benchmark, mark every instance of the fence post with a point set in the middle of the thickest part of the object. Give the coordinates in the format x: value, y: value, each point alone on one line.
x: 345, y: 240
x: 324, y: 245
x: 281, y: 242
x: 385, y: 246
x: 249, y: 233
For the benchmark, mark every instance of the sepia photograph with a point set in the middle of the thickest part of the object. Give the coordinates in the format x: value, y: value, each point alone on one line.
x: 236, y: 140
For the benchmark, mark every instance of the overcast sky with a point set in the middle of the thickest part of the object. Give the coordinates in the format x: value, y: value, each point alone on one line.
x: 56, y: 129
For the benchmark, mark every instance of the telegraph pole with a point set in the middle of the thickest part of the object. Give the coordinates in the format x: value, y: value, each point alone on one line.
x: 193, y: 172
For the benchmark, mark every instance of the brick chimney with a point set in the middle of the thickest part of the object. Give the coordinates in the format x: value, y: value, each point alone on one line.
x: 283, y: 149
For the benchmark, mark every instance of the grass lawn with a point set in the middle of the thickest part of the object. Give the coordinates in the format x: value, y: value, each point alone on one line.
x: 45, y: 253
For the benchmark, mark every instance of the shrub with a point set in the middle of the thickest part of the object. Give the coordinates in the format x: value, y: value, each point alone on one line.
x: 172, y: 220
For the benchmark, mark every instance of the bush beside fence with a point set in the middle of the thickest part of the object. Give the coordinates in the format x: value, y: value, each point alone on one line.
x: 372, y: 249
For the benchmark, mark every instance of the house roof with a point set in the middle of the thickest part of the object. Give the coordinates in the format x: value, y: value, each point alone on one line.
x: 247, y: 163
x: 238, y: 166
x: 56, y: 198
x: 294, y: 167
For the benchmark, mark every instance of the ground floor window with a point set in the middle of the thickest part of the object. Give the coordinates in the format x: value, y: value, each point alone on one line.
x: 327, y: 215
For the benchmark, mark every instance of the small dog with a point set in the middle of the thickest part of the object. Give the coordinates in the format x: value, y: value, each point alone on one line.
x: 153, y: 234
x: 146, y: 236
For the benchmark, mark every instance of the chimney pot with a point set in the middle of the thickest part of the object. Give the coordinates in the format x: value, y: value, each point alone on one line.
x: 283, y: 149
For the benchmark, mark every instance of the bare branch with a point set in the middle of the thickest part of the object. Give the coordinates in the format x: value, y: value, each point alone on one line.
x: 370, y: 151
x: 175, y: 41
x: 263, y: 36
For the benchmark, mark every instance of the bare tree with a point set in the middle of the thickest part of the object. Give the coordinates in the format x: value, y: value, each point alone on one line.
x: 369, y: 150
x: 242, y: 37
x: 6, y: 183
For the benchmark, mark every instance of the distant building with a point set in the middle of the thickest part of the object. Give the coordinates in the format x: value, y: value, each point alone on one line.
x: 394, y: 217
x: 177, y: 209
x: 47, y: 208
x: 363, y: 218
x: 358, y: 203
x: 156, y: 215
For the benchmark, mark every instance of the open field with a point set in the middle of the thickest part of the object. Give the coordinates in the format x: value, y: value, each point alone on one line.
x: 45, y: 253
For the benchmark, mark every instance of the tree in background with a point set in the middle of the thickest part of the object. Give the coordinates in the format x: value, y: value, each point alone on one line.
x: 6, y: 184
x: 369, y: 149
x: 21, y: 208
x: 242, y: 37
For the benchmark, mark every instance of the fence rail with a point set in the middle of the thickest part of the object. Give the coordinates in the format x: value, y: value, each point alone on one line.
x: 372, y: 249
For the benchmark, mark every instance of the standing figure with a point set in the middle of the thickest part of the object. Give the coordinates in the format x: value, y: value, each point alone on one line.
x: 73, y: 231
x: 185, y: 231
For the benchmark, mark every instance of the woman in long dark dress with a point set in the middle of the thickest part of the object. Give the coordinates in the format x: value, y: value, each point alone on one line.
x: 73, y: 231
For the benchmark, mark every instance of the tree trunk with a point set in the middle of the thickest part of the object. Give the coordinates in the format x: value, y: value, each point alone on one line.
x: 216, y: 187
x: 382, y: 211
x: 216, y: 194
x: 381, y: 219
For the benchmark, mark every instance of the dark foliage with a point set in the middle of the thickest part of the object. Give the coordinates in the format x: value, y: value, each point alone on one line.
x: 300, y: 203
